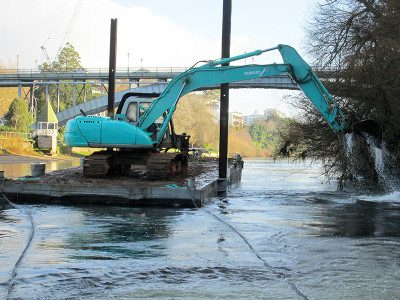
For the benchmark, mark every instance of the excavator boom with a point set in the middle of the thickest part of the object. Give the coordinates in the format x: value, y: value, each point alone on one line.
x: 214, y: 73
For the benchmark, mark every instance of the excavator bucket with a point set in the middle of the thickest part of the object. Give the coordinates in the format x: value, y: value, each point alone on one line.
x: 369, y: 129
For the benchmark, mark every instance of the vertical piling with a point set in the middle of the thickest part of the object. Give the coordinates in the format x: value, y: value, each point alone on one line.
x: 31, y: 101
x: 224, y: 106
x: 112, y: 68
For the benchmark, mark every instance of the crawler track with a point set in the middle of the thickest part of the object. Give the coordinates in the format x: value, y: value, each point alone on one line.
x: 98, y: 164
x: 160, y: 166
x: 165, y: 165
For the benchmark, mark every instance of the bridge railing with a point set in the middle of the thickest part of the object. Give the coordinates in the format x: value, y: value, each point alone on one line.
x: 134, y: 70
x: 14, y: 135
x: 122, y: 70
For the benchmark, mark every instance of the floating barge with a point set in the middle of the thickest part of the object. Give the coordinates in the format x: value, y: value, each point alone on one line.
x: 69, y: 187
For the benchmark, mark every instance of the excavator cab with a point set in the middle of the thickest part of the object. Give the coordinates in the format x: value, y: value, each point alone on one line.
x: 133, y: 108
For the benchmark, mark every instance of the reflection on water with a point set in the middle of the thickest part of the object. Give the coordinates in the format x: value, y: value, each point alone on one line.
x: 329, y: 244
x: 14, y: 170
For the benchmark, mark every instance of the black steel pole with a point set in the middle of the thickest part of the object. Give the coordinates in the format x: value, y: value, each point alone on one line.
x: 224, y: 105
x: 112, y: 68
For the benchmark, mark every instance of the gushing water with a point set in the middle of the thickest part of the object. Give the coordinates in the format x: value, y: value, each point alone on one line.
x: 349, y: 143
x: 378, y: 154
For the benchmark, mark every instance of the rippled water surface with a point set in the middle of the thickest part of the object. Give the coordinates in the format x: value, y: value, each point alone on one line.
x: 282, y: 234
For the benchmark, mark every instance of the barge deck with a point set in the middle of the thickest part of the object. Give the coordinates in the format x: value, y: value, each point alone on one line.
x: 69, y: 187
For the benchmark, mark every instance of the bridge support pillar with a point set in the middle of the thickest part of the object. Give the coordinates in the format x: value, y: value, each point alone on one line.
x: 47, y: 92
x: 20, y: 91
x: 84, y: 92
x: 31, y: 104
x: 73, y: 94
x: 58, y: 98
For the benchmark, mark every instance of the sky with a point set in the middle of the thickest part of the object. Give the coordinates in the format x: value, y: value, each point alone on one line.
x: 155, y: 33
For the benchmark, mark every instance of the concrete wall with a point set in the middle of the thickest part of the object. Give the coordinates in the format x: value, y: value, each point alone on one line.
x: 48, y: 142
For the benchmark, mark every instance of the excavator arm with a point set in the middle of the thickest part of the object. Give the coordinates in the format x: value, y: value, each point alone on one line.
x: 139, y: 140
x: 214, y: 73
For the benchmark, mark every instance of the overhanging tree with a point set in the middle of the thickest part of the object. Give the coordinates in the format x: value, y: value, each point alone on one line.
x: 360, y: 41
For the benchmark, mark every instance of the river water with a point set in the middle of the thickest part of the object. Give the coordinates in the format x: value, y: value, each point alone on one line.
x: 282, y: 234
x: 19, y: 166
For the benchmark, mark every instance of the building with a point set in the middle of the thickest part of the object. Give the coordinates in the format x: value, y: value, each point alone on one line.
x: 215, y: 110
x: 269, y: 112
x: 236, y: 119
x: 251, y: 119
x: 256, y: 117
x: 47, y: 129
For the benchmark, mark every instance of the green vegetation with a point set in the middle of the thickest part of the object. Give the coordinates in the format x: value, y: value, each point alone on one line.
x: 18, y: 118
x: 67, y: 61
x: 265, y: 134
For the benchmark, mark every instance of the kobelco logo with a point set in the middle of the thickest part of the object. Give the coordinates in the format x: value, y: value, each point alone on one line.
x: 252, y: 73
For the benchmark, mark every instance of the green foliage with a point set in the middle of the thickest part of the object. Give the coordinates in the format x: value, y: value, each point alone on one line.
x: 6, y: 128
x: 68, y: 61
x: 265, y: 134
x: 18, y: 117
x: 259, y: 134
x: 210, y: 147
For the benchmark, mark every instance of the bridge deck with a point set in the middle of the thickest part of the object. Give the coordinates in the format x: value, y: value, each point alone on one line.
x: 100, y: 104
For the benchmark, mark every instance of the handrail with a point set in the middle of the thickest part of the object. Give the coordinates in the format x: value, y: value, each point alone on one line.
x: 130, y: 70
x: 14, y: 134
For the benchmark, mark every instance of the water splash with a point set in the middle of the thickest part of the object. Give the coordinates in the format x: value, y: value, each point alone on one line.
x: 380, y: 157
x: 393, y: 197
x: 377, y: 154
x: 349, y: 146
x: 349, y: 143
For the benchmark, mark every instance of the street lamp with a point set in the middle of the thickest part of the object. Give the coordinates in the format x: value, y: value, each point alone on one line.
x: 129, y: 80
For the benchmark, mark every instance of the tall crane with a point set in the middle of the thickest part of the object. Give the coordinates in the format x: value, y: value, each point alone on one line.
x: 70, y: 25
x: 45, y: 55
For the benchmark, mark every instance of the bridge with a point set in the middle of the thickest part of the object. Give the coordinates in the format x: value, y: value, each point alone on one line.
x: 27, y: 77
x: 150, y: 81
x: 154, y: 89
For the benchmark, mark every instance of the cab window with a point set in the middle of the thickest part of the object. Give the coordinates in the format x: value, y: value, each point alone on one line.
x: 131, y: 112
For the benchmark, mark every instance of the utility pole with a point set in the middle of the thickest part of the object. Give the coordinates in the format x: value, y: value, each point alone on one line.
x: 112, y: 68
x: 224, y: 105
